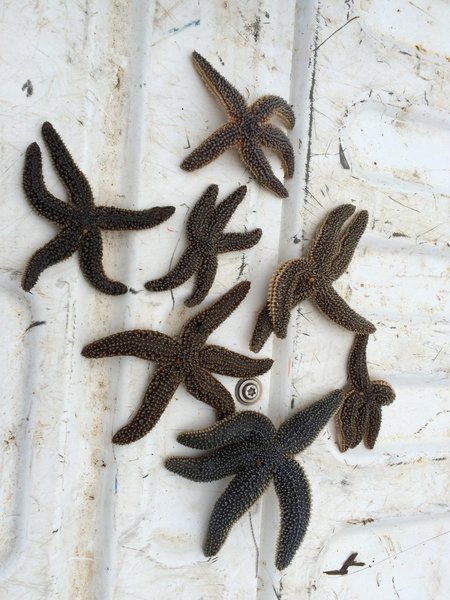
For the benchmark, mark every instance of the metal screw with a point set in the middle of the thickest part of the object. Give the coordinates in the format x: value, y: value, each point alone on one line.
x: 248, y: 391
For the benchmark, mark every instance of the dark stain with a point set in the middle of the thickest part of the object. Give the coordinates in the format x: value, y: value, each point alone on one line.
x: 133, y: 291
x: 28, y: 87
x: 296, y: 239
x: 344, y: 162
x: 255, y: 28
x: 311, y: 106
x: 349, y: 562
x: 398, y: 234
x: 242, y: 267
x: 35, y: 324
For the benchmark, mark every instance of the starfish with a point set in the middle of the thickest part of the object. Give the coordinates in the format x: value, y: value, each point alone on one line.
x: 248, y: 446
x: 185, y: 358
x: 81, y: 222
x: 247, y: 128
x: 360, y: 415
x: 206, y: 239
x: 311, y: 277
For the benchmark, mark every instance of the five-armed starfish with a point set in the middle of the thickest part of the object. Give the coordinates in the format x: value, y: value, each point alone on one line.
x: 311, y: 277
x: 204, y: 230
x: 81, y: 222
x: 248, y: 446
x: 247, y: 128
x: 183, y: 359
x: 360, y: 414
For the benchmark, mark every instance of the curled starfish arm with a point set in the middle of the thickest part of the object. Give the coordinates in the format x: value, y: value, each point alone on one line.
x: 262, y: 330
x: 147, y: 344
x: 357, y: 363
x: 74, y: 179
x: 299, y: 431
x: 290, y: 286
x: 58, y: 249
x: 230, y: 242
x: 188, y: 263
x: 347, y: 245
x: 206, y: 273
x: 222, y: 139
x: 372, y: 426
x: 90, y: 256
x: 382, y: 392
x: 352, y: 420
x: 292, y: 489
x: 224, y: 211
x: 239, y: 496
x: 231, y: 100
x: 202, y: 214
x: 336, y: 309
x: 40, y: 198
x: 273, y: 138
x: 226, y: 362
x: 203, y: 386
x: 258, y: 165
x: 267, y: 106
x: 159, y: 392
x: 115, y: 219
x: 327, y: 239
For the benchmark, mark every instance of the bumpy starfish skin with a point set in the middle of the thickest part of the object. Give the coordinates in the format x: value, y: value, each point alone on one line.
x: 360, y: 415
x: 311, y: 277
x: 206, y: 239
x: 81, y: 221
x: 183, y: 359
x: 247, y: 129
x: 248, y: 446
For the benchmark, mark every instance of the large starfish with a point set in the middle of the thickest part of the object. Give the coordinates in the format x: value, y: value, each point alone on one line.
x: 248, y: 446
x: 204, y: 230
x: 185, y: 358
x: 312, y: 277
x: 247, y: 128
x: 81, y: 222
x: 360, y: 414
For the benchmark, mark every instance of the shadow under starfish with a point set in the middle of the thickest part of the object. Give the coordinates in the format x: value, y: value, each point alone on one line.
x: 311, y: 278
x: 186, y: 359
x: 248, y: 446
x: 204, y: 230
x: 81, y: 221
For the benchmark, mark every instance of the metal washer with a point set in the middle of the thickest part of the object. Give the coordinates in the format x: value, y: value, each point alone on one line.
x: 248, y: 391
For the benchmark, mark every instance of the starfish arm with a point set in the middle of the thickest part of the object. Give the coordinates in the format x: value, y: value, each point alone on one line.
x: 202, y: 214
x: 205, y: 276
x: 350, y: 420
x: 225, y: 209
x: 232, y: 101
x: 372, y: 427
x: 236, y: 428
x: 149, y: 345
x: 326, y: 241
x: 75, y: 181
x: 268, y: 106
x: 258, y: 165
x: 243, y: 491
x: 196, y: 331
x: 226, y: 362
x: 90, y: 255
x: 203, y: 386
x: 184, y: 269
x: 230, y: 242
x: 336, y: 309
x: 159, y: 392
x: 382, y: 392
x: 273, y: 138
x: 222, y: 139
x: 117, y: 219
x: 294, y: 496
x: 347, y: 245
x: 58, y: 249
x: 357, y: 363
x: 40, y: 198
x: 262, y: 330
x: 301, y: 430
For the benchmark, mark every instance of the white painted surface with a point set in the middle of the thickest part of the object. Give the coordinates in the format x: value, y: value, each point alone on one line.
x: 83, y: 519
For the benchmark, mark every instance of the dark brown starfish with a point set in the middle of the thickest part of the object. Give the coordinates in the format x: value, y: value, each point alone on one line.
x: 248, y: 446
x: 311, y: 277
x: 81, y: 222
x: 204, y: 230
x: 183, y: 359
x: 247, y: 128
x: 360, y: 415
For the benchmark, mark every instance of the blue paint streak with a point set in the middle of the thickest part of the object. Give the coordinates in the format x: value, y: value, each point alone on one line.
x: 195, y: 23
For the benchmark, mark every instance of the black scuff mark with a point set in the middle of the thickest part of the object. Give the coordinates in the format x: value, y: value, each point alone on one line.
x: 255, y: 542
x: 28, y: 88
x: 343, y: 160
x: 296, y: 239
x: 349, y: 562
x: 133, y: 291
x: 399, y: 234
x: 35, y: 324
x: 311, y: 107
x: 242, y: 267
x: 255, y: 28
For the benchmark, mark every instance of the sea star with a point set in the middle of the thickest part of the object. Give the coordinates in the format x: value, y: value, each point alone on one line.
x: 204, y: 230
x: 360, y: 414
x: 81, y: 222
x: 186, y: 359
x: 247, y: 128
x: 311, y: 277
x: 247, y: 445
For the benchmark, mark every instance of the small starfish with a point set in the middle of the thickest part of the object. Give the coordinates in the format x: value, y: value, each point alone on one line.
x: 247, y: 128
x: 183, y: 359
x: 360, y: 414
x: 81, y: 223
x: 311, y: 277
x: 247, y: 445
x: 204, y: 230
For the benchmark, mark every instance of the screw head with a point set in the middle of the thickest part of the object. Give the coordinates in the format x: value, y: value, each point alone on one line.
x: 248, y: 391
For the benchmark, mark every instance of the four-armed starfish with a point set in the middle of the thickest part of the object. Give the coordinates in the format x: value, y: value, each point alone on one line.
x: 204, y: 230
x: 248, y: 446
x: 360, y: 415
x: 81, y: 222
x: 183, y: 359
x: 311, y: 277
x: 247, y: 128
